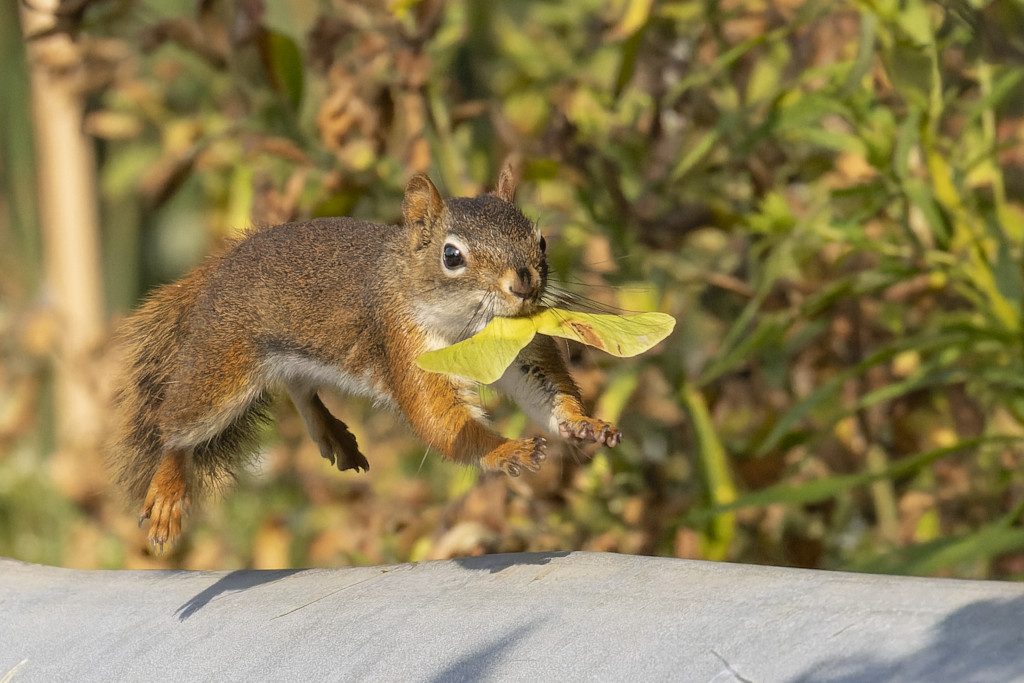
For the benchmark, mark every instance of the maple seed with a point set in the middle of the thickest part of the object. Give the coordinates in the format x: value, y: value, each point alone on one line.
x: 485, y: 356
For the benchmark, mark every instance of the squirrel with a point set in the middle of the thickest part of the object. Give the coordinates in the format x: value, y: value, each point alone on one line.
x: 341, y: 304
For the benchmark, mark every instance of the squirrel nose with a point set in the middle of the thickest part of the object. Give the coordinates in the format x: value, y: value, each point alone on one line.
x: 525, y: 284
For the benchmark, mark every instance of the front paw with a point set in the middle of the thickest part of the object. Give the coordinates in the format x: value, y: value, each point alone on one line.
x: 512, y: 457
x: 584, y: 428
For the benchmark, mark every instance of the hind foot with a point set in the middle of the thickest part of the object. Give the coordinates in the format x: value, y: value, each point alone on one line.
x: 166, y: 501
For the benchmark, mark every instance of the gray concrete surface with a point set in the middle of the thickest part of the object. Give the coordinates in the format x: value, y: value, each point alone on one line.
x: 525, y: 617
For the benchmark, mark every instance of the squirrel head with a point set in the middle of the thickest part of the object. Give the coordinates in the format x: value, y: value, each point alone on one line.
x: 474, y: 258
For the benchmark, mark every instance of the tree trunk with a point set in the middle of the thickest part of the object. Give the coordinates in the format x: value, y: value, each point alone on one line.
x: 71, y: 252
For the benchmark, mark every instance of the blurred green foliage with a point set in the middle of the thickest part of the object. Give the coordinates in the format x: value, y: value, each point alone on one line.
x: 828, y: 197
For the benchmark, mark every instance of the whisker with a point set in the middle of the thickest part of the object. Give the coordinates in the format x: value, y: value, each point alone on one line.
x: 560, y: 298
x: 423, y: 460
x: 477, y: 316
x: 613, y: 260
x: 600, y: 285
x: 582, y: 283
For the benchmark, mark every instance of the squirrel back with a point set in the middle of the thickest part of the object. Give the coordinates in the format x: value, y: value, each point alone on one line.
x: 220, y: 311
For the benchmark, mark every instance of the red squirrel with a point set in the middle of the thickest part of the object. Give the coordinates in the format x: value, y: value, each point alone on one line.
x: 342, y: 304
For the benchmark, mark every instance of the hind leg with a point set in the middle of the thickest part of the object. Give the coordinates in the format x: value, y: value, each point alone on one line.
x: 166, y: 499
x: 337, y: 444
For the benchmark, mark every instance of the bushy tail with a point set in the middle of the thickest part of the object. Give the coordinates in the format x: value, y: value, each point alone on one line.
x: 150, y: 350
x: 154, y: 345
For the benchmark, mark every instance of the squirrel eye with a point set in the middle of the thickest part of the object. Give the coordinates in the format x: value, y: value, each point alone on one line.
x: 543, y: 244
x: 452, y: 257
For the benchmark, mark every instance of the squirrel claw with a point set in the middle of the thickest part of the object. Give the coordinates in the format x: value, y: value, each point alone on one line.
x: 166, y: 501
x: 347, y: 460
x: 338, y: 445
x: 165, y: 521
x: 609, y: 436
x: 589, y: 429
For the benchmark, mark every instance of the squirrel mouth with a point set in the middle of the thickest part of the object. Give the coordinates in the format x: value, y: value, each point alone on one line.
x: 522, y: 308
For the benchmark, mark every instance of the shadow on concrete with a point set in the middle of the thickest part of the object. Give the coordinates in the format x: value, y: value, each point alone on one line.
x: 497, y: 563
x: 983, y: 641
x: 236, y: 581
x: 249, y: 578
x: 485, y: 661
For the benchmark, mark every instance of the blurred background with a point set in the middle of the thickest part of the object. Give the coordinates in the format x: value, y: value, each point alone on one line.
x: 827, y: 196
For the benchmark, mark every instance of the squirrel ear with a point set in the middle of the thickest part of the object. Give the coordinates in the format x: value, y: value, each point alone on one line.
x: 421, y: 207
x: 506, y: 189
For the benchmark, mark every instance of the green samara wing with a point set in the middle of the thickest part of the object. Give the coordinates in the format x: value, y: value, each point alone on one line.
x: 619, y: 335
x: 484, y: 356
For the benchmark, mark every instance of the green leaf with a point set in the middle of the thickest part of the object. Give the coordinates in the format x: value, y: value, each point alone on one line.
x: 284, y: 64
x: 485, y: 356
x: 826, y: 392
x: 638, y: 13
x: 928, y: 558
x: 817, y: 490
x: 715, y: 471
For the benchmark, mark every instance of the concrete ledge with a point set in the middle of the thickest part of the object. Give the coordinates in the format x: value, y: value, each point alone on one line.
x: 524, y: 617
